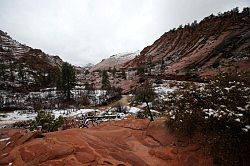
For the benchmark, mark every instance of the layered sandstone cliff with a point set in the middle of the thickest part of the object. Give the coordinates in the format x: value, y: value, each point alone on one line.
x: 203, y: 48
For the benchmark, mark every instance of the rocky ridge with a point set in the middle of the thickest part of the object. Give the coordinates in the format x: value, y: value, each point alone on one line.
x: 202, y: 48
x: 23, y: 67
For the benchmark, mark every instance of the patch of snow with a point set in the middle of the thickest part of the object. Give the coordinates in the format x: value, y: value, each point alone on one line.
x: 70, y: 113
x: 115, y: 61
x: 134, y: 110
x: 240, y: 108
x: 154, y: 111
x: 163, y: 90
x: 248, y: 127
x: 239, y: 115
x: 244, y: 129
x: 145, y: 105
x: 211, y: 112
x: 238, y: 120
x: 17, y: 116
x: 8, y: 143
x: 4, y: 139
x: 120, y: 115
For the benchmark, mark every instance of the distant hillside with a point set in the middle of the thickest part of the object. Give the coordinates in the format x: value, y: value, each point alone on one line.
x: 202, y: 48
x: 88, y: 65
x: 24, y: 68
x: 116, y: 61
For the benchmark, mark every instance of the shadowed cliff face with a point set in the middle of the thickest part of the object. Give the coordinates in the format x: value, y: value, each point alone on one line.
x: 216, y: 42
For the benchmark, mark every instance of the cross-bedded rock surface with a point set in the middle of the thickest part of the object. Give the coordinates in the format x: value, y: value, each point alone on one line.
x: 126, y: 142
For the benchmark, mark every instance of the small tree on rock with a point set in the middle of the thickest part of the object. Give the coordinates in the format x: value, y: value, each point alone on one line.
x: 145, y: 93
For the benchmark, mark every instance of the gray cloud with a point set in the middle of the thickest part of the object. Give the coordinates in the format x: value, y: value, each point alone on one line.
x: 83, y: 31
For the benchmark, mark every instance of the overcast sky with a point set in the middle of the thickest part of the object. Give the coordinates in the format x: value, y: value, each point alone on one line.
x: 86, y: 31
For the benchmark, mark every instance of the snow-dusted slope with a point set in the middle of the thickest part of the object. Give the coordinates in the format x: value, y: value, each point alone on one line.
x: 88, y: 66
x: 22, y: 67
x: 116, y: 61
x: 11, y: 49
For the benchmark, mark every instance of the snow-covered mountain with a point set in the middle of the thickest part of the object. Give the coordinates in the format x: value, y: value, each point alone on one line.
x: 88, y: 66
x: 116, y: 61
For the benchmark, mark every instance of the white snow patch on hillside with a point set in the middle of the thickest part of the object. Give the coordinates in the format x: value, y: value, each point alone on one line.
x: 115, y: 61
x: 16, y: 116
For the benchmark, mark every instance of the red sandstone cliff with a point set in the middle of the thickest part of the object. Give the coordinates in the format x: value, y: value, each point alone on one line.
x: 216, y: 42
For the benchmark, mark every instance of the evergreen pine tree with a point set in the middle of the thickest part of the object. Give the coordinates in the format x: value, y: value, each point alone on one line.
x: 68, y: 79
x: 124, y: 76
x: 12, y: 77
x: 114, y: 71
x: 20, y: 73
x: 105, y: 80
x: 89, y: 88
x: 162, y: 64
x: 3, y: 72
